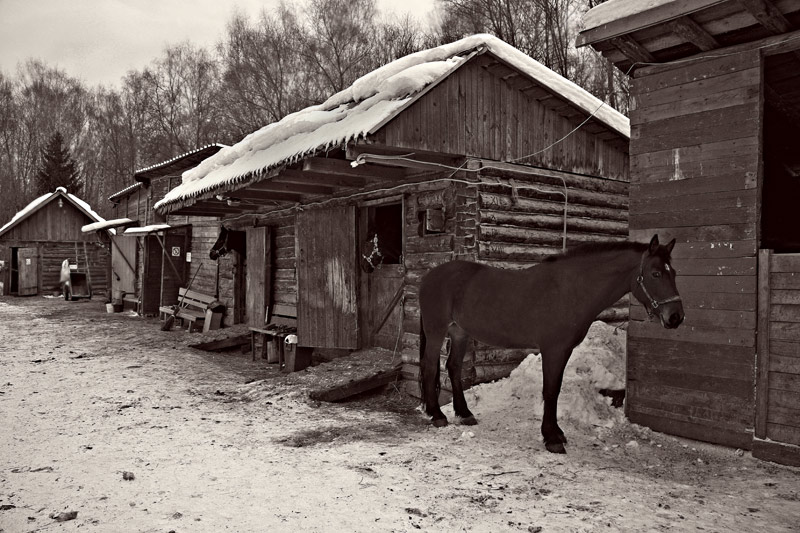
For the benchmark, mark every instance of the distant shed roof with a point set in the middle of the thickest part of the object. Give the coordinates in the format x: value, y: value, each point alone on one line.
x: 177, y: 164
x: 367, y: 105
x: 45, y: 199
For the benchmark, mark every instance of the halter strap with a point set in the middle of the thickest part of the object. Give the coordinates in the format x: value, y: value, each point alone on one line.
x: 653, y: 302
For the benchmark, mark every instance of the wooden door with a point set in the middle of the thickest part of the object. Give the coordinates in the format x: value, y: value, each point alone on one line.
x: 327, y: 299
x: 123, y: 264
x: 259, y: 275
x: 777, y: 428
x: 28, y: 265
x: 174, y: 268
x: 381, y: 238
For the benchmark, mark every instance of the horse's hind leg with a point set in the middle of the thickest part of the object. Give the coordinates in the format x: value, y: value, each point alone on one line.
x: 429, y: 374
x: 553, y: 363
x: 458, y: 347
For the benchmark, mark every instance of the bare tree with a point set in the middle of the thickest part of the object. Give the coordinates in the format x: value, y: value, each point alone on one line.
x: 337, y: 42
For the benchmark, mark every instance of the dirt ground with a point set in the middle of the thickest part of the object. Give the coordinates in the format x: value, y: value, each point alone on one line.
x: 108, y: 424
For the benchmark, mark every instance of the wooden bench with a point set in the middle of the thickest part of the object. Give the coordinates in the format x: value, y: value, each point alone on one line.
x: 283, y: 322
x: 195, y: 308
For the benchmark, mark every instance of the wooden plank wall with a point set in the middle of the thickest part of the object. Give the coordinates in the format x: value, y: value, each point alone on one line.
x: 694, y: 176
x: 779, y: 369
x: 478, y: 114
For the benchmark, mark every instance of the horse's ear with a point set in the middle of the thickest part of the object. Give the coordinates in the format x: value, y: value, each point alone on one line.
x: 670, y: 246
x: 654, y: 244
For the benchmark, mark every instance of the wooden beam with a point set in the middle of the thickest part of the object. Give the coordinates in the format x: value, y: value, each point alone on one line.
x: 767, y: 15
x: 633, y: 50
x: 341, y: 167
x: 687, y: 29
x: 331, y: 180
x: 272, y: 186
x: 419, y: 160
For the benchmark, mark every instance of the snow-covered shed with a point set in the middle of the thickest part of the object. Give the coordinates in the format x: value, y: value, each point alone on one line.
x: 35, y: 242
x: 714, y: 163
x: 469, y: 150
x: 149, y: 255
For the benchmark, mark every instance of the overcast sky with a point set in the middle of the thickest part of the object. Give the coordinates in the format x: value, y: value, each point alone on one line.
x: 98, y: 41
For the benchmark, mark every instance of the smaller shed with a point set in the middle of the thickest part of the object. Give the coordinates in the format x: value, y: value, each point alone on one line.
x: 35, y: 242
x: 146, y: 268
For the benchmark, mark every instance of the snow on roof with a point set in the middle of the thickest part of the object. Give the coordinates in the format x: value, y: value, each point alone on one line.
x: 364, y: 107
x: 177, y: 157
x: 107, y: 224
x: 146, y: 229
x: 40, y: 201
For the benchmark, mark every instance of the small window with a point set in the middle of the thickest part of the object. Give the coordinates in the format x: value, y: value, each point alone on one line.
x: 384, y: 242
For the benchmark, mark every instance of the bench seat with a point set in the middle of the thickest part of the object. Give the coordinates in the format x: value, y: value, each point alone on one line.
x: 195, y: 308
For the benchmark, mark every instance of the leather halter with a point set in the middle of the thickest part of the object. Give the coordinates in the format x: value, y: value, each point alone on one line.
x: 655, y: 304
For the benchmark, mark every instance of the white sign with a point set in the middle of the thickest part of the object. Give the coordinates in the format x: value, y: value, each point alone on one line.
x: 27, y: 260
x: 188, y: 257
x: 176, y: 251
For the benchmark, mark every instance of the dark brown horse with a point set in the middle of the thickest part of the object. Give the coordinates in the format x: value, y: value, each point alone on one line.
x: 549, y: 306
x: 228, y: 241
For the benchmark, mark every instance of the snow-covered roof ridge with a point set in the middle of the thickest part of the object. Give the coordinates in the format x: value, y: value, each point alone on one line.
x: 43, y: 199
x: 364, y: 107
x: 179, y: 156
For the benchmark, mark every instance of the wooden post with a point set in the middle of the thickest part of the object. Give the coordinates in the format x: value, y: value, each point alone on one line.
x: 762, y: 346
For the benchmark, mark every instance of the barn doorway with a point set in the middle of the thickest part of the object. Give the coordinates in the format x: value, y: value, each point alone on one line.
x: 382, y: 273
x: 780, y: 220
x: 24, y: 271
x: 777, y: 424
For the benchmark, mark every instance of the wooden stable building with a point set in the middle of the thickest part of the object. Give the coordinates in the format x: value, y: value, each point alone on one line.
x: 150, y: 261
x: 715, y: 119
x: 35, y: 242
x: 465, y: 151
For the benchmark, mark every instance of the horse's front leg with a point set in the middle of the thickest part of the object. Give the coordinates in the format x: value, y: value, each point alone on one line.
x: 553, y: 363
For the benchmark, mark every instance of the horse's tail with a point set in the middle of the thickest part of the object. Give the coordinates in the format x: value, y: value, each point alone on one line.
x: 422, y: 346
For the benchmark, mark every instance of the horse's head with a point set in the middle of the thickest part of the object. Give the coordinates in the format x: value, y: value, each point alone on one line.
x: 219, y: 248
x: 655, y: 285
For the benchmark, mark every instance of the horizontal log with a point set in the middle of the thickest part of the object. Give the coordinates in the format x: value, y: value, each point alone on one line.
x: 496, y: 235
x: 503, y: 203
x: 427, y: 260
x: 575, y: 181
x: 574, y: 223
x: 515, y: 252
x: 550, y: 192
x: 429, y: 243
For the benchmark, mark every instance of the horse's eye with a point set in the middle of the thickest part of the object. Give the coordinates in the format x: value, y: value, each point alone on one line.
x: 656, y: 274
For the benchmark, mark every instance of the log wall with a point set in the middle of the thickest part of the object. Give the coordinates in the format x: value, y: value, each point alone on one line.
x: 511, y: 220
x: 695, y: 134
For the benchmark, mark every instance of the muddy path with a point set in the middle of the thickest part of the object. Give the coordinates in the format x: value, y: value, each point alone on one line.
x: 109, y: 424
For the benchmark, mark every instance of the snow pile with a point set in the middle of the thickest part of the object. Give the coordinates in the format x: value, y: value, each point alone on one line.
x: 363, y: 108
x: 597, y: 363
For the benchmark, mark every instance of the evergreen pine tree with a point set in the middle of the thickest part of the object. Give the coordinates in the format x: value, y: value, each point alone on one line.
x: 58, y: 168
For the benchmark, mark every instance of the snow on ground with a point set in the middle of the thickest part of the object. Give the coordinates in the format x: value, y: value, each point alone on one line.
x: 597, y: 363
x: 111, y: 424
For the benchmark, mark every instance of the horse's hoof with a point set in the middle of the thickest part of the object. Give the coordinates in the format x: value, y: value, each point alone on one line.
x: 469, y: 421
x: 439, y: 422
x: 555, y: 447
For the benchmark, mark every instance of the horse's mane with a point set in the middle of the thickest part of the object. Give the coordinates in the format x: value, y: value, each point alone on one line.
x: 599, y: 247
